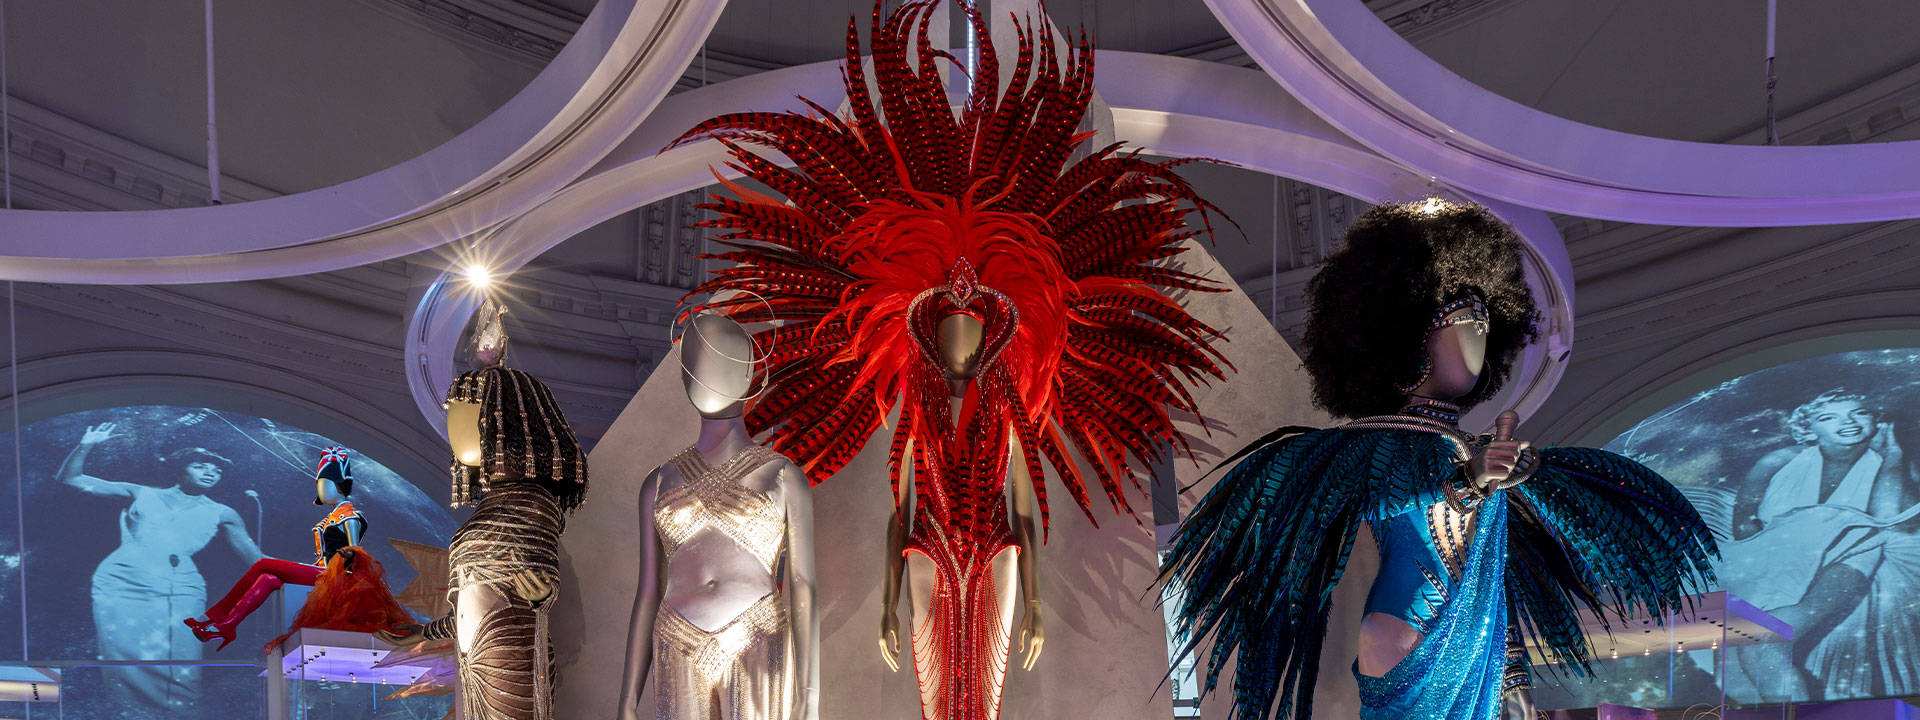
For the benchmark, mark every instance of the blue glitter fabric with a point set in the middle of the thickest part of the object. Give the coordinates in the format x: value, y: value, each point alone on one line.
x: 1455, y: 672
x: 1258, y: 559
x: 1406, y: 587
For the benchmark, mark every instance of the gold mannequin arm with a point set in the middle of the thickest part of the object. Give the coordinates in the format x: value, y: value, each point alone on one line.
x: 1020, y: 482
x: 897, y: 528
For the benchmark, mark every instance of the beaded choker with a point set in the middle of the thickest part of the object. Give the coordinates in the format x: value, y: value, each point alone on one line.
x: 1432, y: 409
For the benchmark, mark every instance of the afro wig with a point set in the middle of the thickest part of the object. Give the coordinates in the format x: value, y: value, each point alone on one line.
x: 1370, y: 307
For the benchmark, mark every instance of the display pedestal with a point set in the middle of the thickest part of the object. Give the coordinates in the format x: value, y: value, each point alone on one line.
x: 1889, y: 709
x: 1676, y: 662
x: 29, y: 685
x: 332, y: 657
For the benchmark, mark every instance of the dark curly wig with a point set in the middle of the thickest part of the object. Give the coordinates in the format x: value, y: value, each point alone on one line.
x: 1370, y: 306
x: 521, y: 429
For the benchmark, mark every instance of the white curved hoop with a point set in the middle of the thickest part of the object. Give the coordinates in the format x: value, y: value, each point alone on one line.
x: 673, y: 338
x: 1338, y: 58
x: 752, y: 361
x: 1249, y: 121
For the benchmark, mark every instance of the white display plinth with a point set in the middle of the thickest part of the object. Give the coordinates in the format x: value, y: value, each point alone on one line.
x: 334, y: 656
x: 29, y: 685
x: 1690, y: 659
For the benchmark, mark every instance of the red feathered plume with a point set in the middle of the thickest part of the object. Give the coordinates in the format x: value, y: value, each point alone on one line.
x: 896, y: 201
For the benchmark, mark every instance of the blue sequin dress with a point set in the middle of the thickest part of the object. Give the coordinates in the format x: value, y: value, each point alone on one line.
x: 1259, y: 557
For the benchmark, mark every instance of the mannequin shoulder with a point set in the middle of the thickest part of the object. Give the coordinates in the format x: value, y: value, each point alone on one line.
x: 791, y: 478
x: 651, y: 486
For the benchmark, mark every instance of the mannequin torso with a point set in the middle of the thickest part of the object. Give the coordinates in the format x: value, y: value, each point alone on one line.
x: 711, y: 578
x: 727, y: 551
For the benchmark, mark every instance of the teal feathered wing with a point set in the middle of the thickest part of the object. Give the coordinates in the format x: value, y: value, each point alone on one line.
x: 1257, y: 560
x: 1593, y: 530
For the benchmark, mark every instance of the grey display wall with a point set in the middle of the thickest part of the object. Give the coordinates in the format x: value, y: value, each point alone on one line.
x: 1105, y: 653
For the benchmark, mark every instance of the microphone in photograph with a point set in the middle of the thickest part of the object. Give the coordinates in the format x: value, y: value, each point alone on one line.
x: 259, y: 512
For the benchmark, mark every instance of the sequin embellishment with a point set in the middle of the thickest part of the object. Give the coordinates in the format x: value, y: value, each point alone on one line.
x: 712, y: 498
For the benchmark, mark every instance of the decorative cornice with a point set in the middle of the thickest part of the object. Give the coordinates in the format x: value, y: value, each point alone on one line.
x: 533, y: 34
x: 1224, y: 51
x: 1831, y: 265
x: 63, y: 164
x: 1419, y: 19
x: 1414, y: 20
x: 530, y: 32
x: 1867, y: 113
x: 562, y: 325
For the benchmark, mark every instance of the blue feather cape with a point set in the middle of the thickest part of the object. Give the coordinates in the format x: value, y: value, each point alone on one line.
x: 1258, y: 558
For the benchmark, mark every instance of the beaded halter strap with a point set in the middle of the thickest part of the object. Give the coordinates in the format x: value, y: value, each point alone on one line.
x: 711, y: 497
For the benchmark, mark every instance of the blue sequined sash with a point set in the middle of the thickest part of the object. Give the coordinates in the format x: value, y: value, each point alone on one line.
x: 1455, y: 672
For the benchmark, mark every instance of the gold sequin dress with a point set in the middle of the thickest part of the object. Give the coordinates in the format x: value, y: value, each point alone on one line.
x: 738, y: 671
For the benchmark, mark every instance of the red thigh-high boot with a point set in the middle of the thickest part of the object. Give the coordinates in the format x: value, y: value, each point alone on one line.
x: 247, y: 595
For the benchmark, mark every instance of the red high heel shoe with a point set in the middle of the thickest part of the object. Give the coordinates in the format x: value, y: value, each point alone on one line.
x: 199, y: 629
x: 207, y: 631
x: 210, y: 630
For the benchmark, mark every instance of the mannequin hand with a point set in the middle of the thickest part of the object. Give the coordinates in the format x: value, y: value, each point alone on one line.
x: 531, y: 587
x: 415, y: 634
x: 346, y: 556
x: 1031, y: 636
x: 890, y: 638
x: 97, y: 434
x: 1494, y: 464
x: 1518, y: 704
x: 1884, y: 443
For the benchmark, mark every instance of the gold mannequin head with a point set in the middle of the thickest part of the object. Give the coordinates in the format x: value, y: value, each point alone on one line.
x: 463, y: 431
x: 960, y: 339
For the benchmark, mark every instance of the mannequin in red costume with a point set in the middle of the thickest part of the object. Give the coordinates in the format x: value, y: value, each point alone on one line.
x: 962, y: 583
x: 340, y: 600
x: 1010, y: 304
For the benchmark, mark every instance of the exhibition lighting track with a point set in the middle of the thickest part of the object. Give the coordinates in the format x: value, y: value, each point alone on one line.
x: 1342, y: 61
x: 624, y: 59
x: 1244, y: 119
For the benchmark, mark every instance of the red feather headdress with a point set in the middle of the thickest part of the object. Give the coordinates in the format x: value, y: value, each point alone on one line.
x: 902, y: 213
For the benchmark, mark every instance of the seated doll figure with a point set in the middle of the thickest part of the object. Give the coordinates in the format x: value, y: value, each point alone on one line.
x: 349, y: 588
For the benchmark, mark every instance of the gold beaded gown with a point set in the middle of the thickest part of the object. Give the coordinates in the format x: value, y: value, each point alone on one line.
x: 740, y: 670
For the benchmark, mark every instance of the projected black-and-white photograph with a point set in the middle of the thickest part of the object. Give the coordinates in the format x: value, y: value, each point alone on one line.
x: 1805, y: 471
x: 137, y: 518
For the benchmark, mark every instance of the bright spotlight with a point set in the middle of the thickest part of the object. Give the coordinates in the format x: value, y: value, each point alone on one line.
x: 478, y: 276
